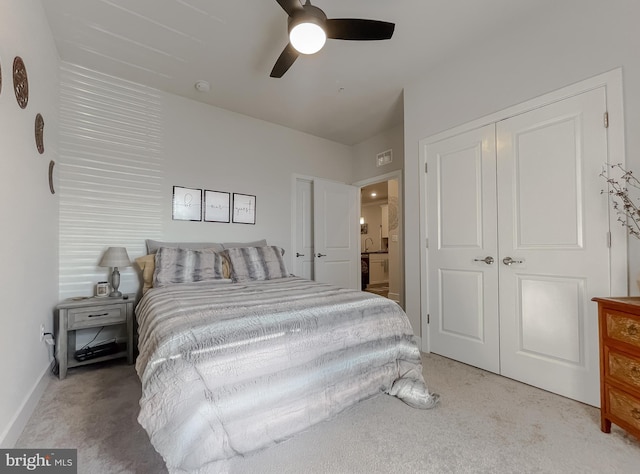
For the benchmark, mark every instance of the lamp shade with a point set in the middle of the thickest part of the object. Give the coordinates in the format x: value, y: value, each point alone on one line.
x: 115, y: 257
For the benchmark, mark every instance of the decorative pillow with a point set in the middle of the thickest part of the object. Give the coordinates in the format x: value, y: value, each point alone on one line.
x: 256, y: 263
x: 147, y: 264
x: 154, y: 245
x: 174, y: 265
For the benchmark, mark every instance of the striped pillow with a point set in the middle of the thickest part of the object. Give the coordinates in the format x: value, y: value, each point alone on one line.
x: 256, y: 263
x: 174, y: 265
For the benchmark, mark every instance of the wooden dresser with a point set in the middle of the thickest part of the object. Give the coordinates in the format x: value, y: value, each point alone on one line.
x: 619, y: 322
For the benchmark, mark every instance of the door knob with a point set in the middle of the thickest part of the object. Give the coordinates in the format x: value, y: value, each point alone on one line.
x: 509, y: 261
x: 488, y: 260
x: 299, y: 254
x: 321, y: 255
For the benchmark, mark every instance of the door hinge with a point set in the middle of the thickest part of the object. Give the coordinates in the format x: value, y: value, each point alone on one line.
x: 609, y: 239
x: 425, y: 168
x: 606, y: 120
x: 428, y: 318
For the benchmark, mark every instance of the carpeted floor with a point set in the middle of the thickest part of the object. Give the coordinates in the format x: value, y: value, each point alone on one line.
x: 484, y: 424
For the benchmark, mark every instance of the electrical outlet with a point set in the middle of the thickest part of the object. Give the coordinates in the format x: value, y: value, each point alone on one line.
x: 41, y: 332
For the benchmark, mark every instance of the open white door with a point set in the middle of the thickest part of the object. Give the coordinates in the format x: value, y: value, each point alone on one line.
x: 336, y: 233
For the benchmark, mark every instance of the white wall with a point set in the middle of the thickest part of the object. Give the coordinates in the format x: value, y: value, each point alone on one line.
x: 120, y: 163
x: 28, y: 215
x: 364, y: 163
x: 583, y: 38
x: 111, y: 173
x: 211, y: 148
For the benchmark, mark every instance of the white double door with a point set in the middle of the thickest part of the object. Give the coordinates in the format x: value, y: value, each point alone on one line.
x: 327, y: 232
x: 518, y: 233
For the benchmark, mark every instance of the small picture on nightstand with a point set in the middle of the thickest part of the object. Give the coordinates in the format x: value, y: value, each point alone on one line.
x: 102, y: 288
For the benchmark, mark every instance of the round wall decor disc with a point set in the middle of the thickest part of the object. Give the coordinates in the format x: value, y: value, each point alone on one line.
x: 20, y: 82
x: 39, y: 133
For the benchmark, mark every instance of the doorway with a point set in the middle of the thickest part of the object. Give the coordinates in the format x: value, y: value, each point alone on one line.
x: 325, y: 231
x: 380, y: 238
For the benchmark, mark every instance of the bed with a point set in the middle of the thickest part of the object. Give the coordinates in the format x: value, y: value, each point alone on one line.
x: 232, y: 365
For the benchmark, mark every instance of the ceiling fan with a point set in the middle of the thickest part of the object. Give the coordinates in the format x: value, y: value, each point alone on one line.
x: 309, y: 28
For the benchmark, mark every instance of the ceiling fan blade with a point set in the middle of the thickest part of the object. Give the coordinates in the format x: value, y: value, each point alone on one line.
x: 290, y: 6
x: 359, y: 30
x: 284, y: 62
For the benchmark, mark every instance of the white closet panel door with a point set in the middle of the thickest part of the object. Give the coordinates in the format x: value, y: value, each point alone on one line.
x: 553, y: 227
x: 461, y: 225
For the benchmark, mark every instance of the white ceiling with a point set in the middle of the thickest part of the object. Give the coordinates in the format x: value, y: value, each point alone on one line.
x: 348, y: 92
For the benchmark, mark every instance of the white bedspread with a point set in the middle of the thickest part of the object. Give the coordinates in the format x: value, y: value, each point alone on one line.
x: 229, y: 368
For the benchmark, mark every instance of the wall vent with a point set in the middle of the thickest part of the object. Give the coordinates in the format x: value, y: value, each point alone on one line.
x: 384, y: 158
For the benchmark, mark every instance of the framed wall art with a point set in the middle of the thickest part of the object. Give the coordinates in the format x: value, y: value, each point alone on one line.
x: 244, y: 209
x: 187, y: 204
x: 217, y: 206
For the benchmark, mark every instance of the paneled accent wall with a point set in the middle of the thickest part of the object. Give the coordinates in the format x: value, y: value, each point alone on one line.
x: 110, y: 174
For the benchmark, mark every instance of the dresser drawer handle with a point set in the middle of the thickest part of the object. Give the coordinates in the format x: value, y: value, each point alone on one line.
x: 632, y: 330
x: 98, y: 315
x: 635, y: 413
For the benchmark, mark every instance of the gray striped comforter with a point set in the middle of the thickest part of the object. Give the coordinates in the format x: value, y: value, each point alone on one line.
x: 229, y: 368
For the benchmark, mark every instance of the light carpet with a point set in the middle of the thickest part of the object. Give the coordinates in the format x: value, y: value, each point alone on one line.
x: 484, y: 424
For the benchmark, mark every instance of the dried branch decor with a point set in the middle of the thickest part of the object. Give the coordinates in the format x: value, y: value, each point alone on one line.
x: 626, y: 207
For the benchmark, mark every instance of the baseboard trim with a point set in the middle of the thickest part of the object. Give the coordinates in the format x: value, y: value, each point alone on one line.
x: 14, y: 430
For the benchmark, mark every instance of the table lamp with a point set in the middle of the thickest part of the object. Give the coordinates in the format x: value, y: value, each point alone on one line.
x: 115, y: 257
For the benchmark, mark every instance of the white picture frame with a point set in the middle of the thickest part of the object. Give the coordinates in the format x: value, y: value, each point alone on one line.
x: 244, y: 208
x: 217, y: 206
x: 187, y: 204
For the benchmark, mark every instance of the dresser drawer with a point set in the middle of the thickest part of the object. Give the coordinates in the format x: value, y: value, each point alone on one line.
x: 96, y: 316
x: 624, y: 406
x: 623, y: 327
x: 623, y: 368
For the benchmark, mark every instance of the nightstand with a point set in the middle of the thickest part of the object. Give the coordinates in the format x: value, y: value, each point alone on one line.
x: 85, y: 313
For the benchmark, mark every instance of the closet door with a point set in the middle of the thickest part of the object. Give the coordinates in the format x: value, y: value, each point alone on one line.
x: 554, y: 256
x: 462, y: 254
x: 548, y: 242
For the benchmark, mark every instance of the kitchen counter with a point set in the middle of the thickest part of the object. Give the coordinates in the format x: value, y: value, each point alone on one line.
x: 375, y: 251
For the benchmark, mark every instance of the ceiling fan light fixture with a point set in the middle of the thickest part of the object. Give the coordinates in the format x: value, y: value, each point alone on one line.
x: 307, y: 32
x: 309, y: 29
x: 307, y: 37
